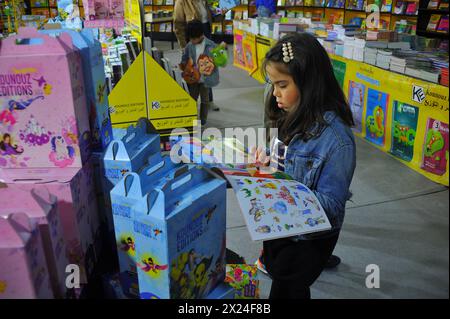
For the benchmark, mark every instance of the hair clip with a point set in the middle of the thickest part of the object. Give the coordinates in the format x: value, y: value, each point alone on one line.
x: 288, y: 53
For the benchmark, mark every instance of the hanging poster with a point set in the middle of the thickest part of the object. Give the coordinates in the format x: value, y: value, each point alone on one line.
x: 404, y: 130
x: 376, y: 116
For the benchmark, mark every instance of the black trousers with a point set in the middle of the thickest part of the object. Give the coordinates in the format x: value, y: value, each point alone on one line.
x: 295, y: 266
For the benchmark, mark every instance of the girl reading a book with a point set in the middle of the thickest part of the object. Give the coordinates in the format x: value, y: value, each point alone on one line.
x: 315, y: 146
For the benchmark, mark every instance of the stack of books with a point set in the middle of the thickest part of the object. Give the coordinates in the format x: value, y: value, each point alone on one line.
x: 398, y: 63
x: 370, y: 55
x: 383, y: 58
x: 358, y: 49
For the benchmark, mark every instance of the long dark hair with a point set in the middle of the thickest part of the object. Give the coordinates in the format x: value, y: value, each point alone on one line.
x: 319, y: 90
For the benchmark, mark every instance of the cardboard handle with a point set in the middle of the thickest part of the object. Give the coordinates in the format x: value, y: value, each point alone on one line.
x: 151, y: 199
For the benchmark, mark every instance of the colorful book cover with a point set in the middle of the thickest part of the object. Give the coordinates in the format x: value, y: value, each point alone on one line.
x: 433, y: 4
x: 443, y: 24
x: 223, y: 4
x: 443, y: 4
x: 377, y: 103
x: 244, y: 280
x: 435, y: 149
x: 356, y: 92
x: 275, y: 208
x: 433, y: 23
x: 404, y: 133
x: 411, y: 8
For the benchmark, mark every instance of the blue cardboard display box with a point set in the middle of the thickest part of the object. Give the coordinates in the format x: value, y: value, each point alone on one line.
x: 180, y: 236
x: 129, y: 153
x: 129, y: 191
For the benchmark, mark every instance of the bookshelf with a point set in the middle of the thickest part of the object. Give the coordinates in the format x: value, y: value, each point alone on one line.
x: 10, y: 13
x: 159, y: 19
x: 47, y: 8
x: 353, y: 11
x: 433, y: 18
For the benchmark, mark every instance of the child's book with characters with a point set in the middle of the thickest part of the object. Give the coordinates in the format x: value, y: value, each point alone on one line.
x: 244, y: 280
x: 376, y: 115
x: 277, y: 208
x: 404, y: 132
x: 435, y: 149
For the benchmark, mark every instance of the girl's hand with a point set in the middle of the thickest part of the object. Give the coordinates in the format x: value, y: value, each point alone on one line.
x: 258, y: 156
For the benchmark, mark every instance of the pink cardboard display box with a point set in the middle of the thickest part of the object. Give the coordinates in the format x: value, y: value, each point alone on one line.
x: 41, y: 207
x: 43, y: 115
x: 23, y: 270
x: 77, y: 207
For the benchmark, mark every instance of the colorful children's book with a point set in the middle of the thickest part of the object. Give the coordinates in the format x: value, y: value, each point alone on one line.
x: 443, y: 5
x: 399, y: 7
x: 404, y: 133
x: 433, y: 4
x: 411, y: 8
x: 276, y: 208
x: 244, y: 280
x: 433, y: 23
x: 435, y: 149
x: 443, y: 24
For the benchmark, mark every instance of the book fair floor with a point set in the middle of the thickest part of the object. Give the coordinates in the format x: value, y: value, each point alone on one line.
x: 397, y: 219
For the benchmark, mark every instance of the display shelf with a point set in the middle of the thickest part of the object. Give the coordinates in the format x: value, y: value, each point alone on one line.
x: 431, y: 19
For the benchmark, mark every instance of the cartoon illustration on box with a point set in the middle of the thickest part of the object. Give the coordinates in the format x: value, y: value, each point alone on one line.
x: 356, y: 92
x: 40, y: 98
x: 377, y: 103
x: 435, y: 149
x: 183, y: 229
x: 404, y: 130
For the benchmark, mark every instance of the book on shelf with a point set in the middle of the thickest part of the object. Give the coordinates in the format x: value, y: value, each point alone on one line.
x: 443, y: 24
x: 245, y: 15
x: 281, y: 3
x: 290, y: 3
x: 400, y: 7
x: 411, y: 8
x: 229, y: 15
x: 433, y: 4
x: 217, y: 28
x: 238, y: 15
x: 169, y: 2
x: 386, y: 6
x: 433, y: 22
x: 443, y: 5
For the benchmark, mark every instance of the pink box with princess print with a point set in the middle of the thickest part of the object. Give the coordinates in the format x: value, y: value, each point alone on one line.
x: 77, y: 205
x: 42, y: 208
x: 43, y: 115
x: 23, y: 270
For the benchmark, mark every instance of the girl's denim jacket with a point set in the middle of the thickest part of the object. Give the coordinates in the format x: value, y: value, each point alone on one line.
x: 189, y: 52
x: 325, y: 163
